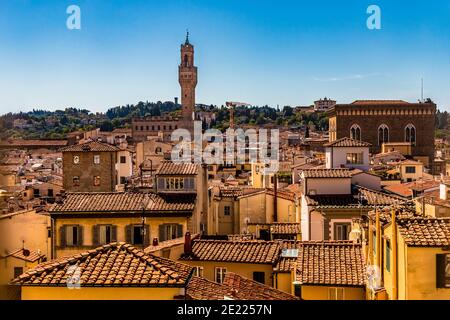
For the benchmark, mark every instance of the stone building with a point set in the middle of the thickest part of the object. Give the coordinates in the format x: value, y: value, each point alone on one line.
x: 164, y: 126
x: 383, y: 121
x: 90, y: 167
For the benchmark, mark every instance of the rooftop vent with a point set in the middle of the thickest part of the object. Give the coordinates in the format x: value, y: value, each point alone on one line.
x: 289, y: 253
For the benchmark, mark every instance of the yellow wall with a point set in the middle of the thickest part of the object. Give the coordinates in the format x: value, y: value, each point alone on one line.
x: 414, y: 176
x: 321, y: 293
x: 89, y: 293
x: 283, y: 281
x: 243, y: 269
x: 7, y: 266
x: 121, y: 223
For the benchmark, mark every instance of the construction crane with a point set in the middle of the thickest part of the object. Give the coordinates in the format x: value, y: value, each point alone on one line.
x: 232, y: 105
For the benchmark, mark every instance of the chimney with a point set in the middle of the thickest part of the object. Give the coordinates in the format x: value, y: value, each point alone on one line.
x: 187, y: 244
x: 275, y: 198
x: 155, y: 242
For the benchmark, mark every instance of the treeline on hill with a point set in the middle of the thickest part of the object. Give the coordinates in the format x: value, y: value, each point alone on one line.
x: 42, y: 124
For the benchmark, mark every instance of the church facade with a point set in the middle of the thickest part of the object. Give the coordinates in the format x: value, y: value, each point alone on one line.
x: 387, y: 121
x: 163, y: 126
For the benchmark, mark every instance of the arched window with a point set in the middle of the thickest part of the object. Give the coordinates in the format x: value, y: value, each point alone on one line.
x: 158, y: 150
x: 383, y: 134
x: 410, y: 134
x: 186, y: 62
x: 355, y: 132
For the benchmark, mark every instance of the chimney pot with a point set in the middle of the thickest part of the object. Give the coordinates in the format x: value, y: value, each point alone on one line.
x: 187, y: 243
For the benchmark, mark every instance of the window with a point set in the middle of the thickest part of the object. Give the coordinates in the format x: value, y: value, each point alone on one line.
x: 410, y: 134
x: 105, y: 235
x: 96, y: 159
x: 169, y: 231
x: 410, y: 169
x: 341, y: 231
x: 71, y: 236
x: 123, y: 159
x: 443, y: 271
x: 136, y: 128
x: 198, y: 271
x: 146, y: 128
x: 174, y: 183
x: 158, y: 150
x: 259, y: 276
x: 96, y: 181
x: 388, y: 255
x: 50, y: 192
x: 226, y: 210
x: 123, y: 180
x: 137, y: 237
x: 76, y: 181
x: 142, y: 128
x: 220, y: 274
x: 336, y: 293
x: 354, y: 158
x: 383, y: 134
x: 17, y: 271
x: 355, y: 132
x: 36, y: 193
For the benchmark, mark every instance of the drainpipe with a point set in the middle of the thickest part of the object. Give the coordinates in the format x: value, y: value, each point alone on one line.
x: 275, y: 196
x: 394, y: 256
x: 378, y: 239
x: 370, y: 246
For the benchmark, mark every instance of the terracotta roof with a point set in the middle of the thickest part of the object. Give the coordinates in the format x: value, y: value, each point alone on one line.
x: 25, y: 255
x: 115, y: 264
x: 286, y: 264
x: 231, y: 192
x: 171, y: 168
x: 122, y: 201
x: 330, y: 263
x: 406, y: 189
x: 233, y: 287
x: 425, y: 232
x: 347, y: 142
x: 374, y: 197
x: 282, y: 193
x: 285, y: 228
x: 326, y: 173
x: 265, y: 252
x: 382, y: 102
x: 406, y: 210
x: 91, y: 146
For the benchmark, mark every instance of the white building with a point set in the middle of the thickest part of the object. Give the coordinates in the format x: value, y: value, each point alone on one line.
x: 347, y: 153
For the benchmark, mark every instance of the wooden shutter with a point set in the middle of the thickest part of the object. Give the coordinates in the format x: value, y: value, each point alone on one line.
x: 147, y: 235
x: 179, y: 231
x: 95, y: 235
x: 80, y: 235
x: 62, y: 236
x: 113, y: 233
x: 128, y: 233
x: 440, y: 270
x: 162, y: 236
x: 160, y: 184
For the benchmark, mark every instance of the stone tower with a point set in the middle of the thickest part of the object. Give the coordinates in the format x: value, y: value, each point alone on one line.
x: 187, y: 76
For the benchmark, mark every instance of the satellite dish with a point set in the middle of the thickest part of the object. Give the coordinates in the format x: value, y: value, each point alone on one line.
x: 25, y: 252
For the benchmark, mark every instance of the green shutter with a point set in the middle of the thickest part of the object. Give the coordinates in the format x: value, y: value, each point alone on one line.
x: 128, y: 233
x: 440, y: 270
x: 161, y: 184
x: 95, y: 235
x: 80, y: 235
x: 162, y: 236
x: 147, y: 235
x: 62, y: 235
x: 179, y: 230
x: 113, y: 233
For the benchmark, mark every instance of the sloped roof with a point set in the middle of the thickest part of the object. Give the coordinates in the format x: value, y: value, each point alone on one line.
x: 171, y: 168
x: 91, y: 146
x: 425, y: 232
x: 234, y: 287
x: 331, y: 263
x: 265, y: 252
x: 121, y: 201
x: 347, y: 142
x: 326, y: 173
x: 25, y: 255
x: 112, y: 265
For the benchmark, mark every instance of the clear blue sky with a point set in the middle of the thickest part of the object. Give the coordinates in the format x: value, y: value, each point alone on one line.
x: 260, y: 52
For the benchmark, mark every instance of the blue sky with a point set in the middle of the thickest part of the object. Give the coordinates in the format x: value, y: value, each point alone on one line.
x: 260, y: 52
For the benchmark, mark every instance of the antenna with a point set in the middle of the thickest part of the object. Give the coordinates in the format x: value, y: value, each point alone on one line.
x: 421, y: 91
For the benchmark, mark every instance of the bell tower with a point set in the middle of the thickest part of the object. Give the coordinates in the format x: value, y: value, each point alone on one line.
x: 187, y: 77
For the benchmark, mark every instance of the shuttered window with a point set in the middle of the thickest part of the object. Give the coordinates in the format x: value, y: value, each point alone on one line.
x: 388, y: 255
x: 220, y: 274
x: 104, y: 234
x: 71, y: 235
x: 169, y: 231
x: 336, y: 293
x: 443, y: 271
